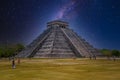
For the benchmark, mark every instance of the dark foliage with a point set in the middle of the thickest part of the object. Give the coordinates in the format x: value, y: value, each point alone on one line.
x: 10, y: 50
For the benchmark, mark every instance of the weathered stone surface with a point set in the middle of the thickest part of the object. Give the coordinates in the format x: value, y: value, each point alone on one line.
x: 58, y: 41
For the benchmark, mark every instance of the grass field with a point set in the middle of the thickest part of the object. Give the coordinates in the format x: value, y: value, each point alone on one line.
x: 60, y: 69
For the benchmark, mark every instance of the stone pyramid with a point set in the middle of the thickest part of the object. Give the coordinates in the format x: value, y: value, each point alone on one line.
x: 59, y: 41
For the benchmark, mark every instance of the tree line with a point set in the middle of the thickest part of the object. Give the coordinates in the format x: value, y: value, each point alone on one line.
x: 110, y: 53
x: 11, y: 50
x: 14, y: 49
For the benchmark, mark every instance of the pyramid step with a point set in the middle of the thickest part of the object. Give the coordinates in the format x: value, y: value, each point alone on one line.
x: 58, y: 41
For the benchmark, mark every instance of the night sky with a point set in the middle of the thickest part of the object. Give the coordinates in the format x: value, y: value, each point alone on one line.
x: 97, y: 21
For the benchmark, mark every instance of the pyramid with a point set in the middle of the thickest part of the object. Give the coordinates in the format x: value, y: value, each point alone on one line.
x: 59, y: 41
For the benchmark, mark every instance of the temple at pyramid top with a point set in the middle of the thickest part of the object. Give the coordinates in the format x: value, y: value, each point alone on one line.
x: 59, y: 23
x: 59, y: 41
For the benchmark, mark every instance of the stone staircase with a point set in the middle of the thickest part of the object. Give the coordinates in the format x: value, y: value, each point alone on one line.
x: 58, y: 41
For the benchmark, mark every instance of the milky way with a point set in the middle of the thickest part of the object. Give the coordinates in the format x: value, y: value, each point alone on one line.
x: 97, y: 21
x: 68, y: 10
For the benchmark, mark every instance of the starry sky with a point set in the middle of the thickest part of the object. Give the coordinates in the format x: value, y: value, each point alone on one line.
x: 97, y: 21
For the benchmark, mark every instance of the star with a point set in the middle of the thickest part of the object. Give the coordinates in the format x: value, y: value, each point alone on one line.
x: 113, y: 6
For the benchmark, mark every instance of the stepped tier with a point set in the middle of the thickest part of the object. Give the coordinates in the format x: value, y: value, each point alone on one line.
x: 58, y: 41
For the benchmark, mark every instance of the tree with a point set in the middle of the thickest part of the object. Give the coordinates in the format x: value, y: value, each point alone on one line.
x: 106, y: 52
x: 11, y: 50
x: 1, y: 52
x: 115, y: 53
x: 19, y: 47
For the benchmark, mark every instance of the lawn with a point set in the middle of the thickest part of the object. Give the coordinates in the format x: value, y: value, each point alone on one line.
x: 60, y: 69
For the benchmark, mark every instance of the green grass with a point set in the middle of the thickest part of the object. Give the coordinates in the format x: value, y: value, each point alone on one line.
x: 60, y: 69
